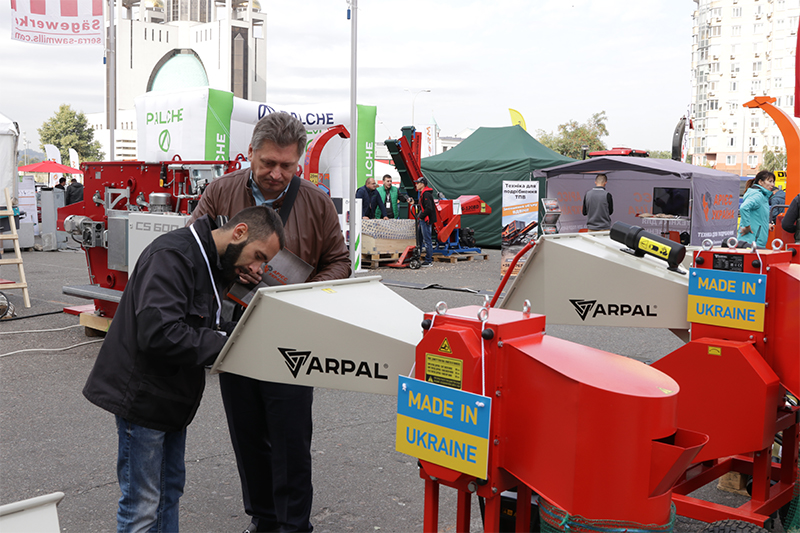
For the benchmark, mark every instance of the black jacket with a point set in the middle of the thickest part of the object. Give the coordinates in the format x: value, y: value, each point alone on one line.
x: 369, y: 201
x: 150, y: 368
x: 74, y: 193
x: 428, y: 206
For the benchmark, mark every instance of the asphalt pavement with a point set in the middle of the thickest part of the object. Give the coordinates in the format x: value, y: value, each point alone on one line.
x: 52, y: 439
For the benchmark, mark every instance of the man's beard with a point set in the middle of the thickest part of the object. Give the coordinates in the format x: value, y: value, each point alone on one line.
x: 228, y: 261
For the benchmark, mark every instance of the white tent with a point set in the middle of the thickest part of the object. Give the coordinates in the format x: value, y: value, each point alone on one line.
x: 9, y: 132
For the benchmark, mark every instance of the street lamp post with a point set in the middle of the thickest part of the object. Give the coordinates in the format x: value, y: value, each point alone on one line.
x: 414, y: 101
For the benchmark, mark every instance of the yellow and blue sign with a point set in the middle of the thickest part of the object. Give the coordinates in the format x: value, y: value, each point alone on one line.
x: 443, y: 426
x: 728, y: 299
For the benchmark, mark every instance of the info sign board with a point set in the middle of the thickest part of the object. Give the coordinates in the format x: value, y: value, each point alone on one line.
x: 443, y: 426
x: 727, y: 299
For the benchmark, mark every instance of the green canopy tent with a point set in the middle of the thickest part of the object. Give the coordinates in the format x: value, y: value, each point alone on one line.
x: 480, y: 164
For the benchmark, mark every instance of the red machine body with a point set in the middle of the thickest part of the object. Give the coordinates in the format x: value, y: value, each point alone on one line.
x: 446, y: 219
x: 112, y: 189
x: 592, y: 432
x: 608, y: 438
x: 733, y: 383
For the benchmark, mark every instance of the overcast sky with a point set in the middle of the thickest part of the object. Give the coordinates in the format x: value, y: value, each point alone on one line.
x: 552, y: 60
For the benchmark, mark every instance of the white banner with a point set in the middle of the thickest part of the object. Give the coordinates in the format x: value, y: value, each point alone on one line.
x: 428, y: 144
x: 58, y: 22
x: 52, y: 154
x: 74, y: 160
x: 317, y: 118
x: 520, y: 202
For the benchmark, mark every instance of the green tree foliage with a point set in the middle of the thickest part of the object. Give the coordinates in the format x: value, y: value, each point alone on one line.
x: 773, y: 161
x: 70, y: 129
x: 660, y: 154
x: 571, y: 136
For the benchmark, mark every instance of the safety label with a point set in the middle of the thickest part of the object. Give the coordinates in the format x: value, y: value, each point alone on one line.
x: 654, y: 247
x: 443, y: 426
x: 446, y: 371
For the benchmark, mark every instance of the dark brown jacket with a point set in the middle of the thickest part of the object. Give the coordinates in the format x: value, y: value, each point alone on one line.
x: 312, y: 230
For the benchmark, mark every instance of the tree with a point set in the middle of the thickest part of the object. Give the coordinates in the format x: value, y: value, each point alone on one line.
x: 773, y: 161
x: 660, y: 154
x: 571, y: 136
x: 70, y: 129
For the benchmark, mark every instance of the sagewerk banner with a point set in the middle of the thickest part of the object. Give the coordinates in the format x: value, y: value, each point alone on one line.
x: 58, y: 22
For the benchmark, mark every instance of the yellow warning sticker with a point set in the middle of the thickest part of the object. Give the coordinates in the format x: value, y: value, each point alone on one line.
x: 714, y: 350
x: 656, y: 248
x: 331, y: 291
x: 446, y: 371
x: 445, y: 347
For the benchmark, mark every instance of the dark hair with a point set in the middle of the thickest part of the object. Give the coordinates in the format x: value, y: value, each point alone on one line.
x: 386, y: 176
x: 262, y: 222
x: 761, y: 176
x: 764, y: 175
x: 62, y: 180
x: 280, y: 128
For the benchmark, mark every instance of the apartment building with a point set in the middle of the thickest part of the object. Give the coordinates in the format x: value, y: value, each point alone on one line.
x: 741, y: 49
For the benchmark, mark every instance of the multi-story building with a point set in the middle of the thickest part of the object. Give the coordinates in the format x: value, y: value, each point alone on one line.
x: 741, y: 49
x: 177, y: 44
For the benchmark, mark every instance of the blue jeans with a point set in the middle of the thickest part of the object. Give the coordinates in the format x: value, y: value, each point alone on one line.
x: 151, y: 473
x: 425, y: 229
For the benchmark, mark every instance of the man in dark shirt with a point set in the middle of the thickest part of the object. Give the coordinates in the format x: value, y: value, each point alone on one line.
x: 427, y: 217
x: 598, y: 205
x: 149, y: 372
x: 74, y: 192
x: 369, y: 198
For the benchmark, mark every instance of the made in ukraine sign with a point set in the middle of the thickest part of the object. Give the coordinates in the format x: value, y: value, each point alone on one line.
x: 443, y: 426
x: 728, y: 299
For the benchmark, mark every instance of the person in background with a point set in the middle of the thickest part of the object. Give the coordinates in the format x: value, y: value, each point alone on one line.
x: 369, y: 198
x: 270, y: 423
x: 387, y: 206
x: 61, y: 183
x: 598, y: 205
x: 427, y: 216
x: 74, y: 192
x: 791, y: 220
x: 150, y: 370
x: 777, y: 198
x: 754, y: 222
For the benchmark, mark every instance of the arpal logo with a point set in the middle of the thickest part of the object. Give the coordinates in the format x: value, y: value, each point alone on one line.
x: 583, y: 307
x: 164, y: 140
x: 294, y: 359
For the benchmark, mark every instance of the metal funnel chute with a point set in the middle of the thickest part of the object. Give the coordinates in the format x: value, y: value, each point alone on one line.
x: 326, y: 334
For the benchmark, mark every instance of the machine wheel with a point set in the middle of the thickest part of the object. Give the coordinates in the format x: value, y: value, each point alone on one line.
x: 733, y: 526
x: 414, y: 264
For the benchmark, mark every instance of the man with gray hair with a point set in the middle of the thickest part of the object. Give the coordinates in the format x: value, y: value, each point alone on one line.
x: 598, y: 205
x: 270, y: 423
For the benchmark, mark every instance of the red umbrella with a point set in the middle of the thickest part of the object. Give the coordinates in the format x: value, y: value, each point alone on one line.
x: 49, y: 166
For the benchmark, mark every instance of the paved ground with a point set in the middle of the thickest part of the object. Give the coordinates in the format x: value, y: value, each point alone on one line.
x: 52, y: 439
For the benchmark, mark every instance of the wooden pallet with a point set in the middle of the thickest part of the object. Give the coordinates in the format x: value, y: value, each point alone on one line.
x: 377, y: 260
x: 456, y: 258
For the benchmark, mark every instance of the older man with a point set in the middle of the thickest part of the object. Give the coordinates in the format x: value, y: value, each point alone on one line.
x: 270, y: 423
x: 369, y: 198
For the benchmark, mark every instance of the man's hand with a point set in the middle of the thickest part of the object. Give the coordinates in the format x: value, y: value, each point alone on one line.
x: 745, y: 230
x: 250, y: 277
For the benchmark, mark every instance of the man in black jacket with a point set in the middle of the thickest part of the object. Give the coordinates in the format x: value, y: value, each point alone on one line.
x: 427, y: 217
x: 149, y: 372
x: 369, y: 198
x: 74, y: 192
